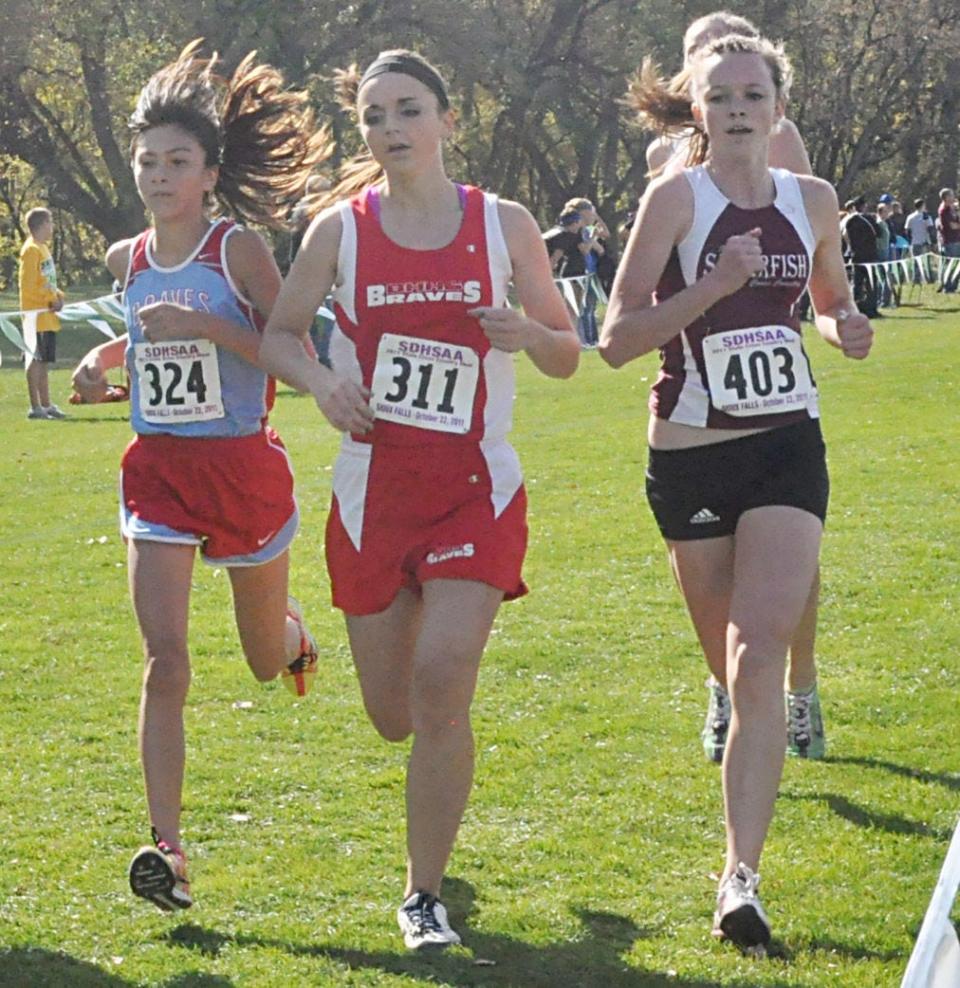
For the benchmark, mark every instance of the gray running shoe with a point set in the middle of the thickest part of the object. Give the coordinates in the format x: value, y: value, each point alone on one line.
x: 718, y: 721
x: 805, y: 736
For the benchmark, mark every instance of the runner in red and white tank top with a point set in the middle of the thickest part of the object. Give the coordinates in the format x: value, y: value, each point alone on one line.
x: 737, y: 478
x: 427, y: 530
x: 443, y: 399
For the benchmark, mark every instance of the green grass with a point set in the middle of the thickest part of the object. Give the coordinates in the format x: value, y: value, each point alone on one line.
x: 587, y: 848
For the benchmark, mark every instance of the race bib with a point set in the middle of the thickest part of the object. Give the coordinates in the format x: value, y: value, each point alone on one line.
x: 425, y: 383
x: 761, y: 370
x: 178, y: 381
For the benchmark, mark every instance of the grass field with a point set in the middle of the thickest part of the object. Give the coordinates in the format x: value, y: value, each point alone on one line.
x: 586, y: 851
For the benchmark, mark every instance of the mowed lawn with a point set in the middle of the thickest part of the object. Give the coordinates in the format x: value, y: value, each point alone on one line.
x: 587, y: 850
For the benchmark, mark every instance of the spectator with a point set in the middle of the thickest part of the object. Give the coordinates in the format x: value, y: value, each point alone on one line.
x: 917, y: 228
x: 568, y: 258
x: 38, y: 290
x: 917, y: 231
x: 563, y: 245
x: 897, y: 223
x: 884, y: 254
x: 860, y: 232
x: 300, y: 214
x: 593, y: 246
x: 948, y: 231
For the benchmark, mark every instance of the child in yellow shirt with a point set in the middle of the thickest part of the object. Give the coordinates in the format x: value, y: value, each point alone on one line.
x: 38, y: 290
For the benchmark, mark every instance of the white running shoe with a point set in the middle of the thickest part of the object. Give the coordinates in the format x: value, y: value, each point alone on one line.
x: 53, y: 412
x: 423, y: 922
x: 740, y: 916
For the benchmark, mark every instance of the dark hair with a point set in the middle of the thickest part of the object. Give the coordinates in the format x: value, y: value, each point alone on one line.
x: 666, y: 106
x: 363, y: 170
x: 37, y: 217
x: 261, y: 135
x: 919, y: 203
x: 411, y: 64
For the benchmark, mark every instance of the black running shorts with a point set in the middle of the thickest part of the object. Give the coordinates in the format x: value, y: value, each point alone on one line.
x: 700, y: 493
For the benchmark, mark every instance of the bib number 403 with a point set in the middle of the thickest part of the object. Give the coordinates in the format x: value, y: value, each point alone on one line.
x: 758, y: 371
x: 763, y: 377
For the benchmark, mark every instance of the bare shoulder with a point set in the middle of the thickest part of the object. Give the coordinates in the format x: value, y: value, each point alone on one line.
x: 818, y: 194
x: 659, y: 151
x: 786, y: 128
x: 669, y: 195
x: 325, y: 230
x: 787, y: 149
x: 820, y: 202
x: 118, y: 258
x: 245, y: 247
x: 516, y: 221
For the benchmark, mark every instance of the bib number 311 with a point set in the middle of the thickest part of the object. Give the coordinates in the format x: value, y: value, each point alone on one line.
x: 427, y: 384
x: 757, y: 371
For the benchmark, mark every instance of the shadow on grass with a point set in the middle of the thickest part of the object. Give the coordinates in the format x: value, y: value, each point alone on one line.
x: 73, y: 418
x: 908, y: 772
x: 857, y: 953
x: 30, y: 967
x: 594, y: 960
x: 870, y: 819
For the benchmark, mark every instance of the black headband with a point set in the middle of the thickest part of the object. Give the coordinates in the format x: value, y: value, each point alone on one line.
x: 412, y: 67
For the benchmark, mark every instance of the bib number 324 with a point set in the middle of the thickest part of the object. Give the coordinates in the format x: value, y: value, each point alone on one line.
x: 178, y: 381
x: 757, y: 371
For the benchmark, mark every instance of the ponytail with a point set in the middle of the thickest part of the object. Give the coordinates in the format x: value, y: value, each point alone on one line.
x: 262, y: 136
x: 664, y: 106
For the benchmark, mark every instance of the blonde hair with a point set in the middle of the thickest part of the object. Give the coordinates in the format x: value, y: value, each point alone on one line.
x: 731, y: 24
x: 665, y: 106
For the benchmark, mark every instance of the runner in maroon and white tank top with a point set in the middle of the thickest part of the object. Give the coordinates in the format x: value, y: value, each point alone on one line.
x: 668, y: 155
x: 737, y: 478
x: 740, y: 365
x: 427, y: 531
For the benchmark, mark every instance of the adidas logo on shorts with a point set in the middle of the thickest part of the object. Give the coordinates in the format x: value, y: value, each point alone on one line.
x: 703, y: 517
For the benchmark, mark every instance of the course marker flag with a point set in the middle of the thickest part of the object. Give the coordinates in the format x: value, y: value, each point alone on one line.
x: 935, y: 961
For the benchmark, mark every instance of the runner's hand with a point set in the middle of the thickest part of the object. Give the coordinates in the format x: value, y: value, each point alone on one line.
x: 505, y: 328
x: 346, y: 405
x: 855, y: 334
x: 89, y: 380
x: 165, y: 321
x: 739, y: 260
